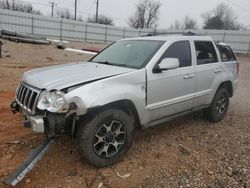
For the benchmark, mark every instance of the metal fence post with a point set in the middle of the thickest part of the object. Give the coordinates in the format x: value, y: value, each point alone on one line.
x: 1, y: 48
x: 86, y: 32
x: 206, y: 32
x: 32, y: 25
x: 60, y: 29
x: 248, y: 52
x: 106, y: 30
x: 124, y: 32
x: 224, y: 36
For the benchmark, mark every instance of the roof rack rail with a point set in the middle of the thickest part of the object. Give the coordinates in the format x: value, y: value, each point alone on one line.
x: 189, y: 33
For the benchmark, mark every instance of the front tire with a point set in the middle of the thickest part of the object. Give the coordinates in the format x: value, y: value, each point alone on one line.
x: 219, y: 106
x: 105, y: 137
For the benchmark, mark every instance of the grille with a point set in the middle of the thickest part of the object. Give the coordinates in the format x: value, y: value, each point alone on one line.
x: 27, y: 98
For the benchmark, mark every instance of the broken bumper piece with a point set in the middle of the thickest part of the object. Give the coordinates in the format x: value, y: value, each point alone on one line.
x: 37, y: 123
x: 34, y: 156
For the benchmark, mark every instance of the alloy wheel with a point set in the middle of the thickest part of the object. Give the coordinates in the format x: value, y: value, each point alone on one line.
x: 109, y: 139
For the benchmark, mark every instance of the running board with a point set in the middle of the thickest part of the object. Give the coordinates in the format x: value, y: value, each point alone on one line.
x: 34, y: 156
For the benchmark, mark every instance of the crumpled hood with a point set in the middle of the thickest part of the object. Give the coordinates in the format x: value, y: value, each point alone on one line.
x: 66, y: 75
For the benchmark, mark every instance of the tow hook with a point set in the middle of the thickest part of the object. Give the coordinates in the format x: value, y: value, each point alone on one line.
x: 34, y: 156
x: 14, y: 107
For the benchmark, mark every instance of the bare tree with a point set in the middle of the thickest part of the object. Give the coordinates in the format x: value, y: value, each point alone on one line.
x: 101, y: 20
x: 222, y: 17
x: 176, y: 25
x: 18, y: 6
x: 189, y: 23
x: 146, y: 14
x: 64, y: 13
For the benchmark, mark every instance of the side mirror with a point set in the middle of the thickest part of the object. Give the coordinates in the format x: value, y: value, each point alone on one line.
x: 167, y: 64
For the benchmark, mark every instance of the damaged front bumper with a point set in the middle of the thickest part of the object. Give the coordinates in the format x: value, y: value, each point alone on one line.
x: 36, y: 123
x: 52, y: 124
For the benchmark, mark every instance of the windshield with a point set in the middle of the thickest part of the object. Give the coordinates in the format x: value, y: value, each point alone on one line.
x: 133, y: 53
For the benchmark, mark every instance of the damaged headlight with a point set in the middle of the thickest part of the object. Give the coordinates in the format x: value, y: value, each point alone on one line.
x: 53, y: 101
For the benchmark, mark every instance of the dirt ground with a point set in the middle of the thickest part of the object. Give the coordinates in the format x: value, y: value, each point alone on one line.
x: 189, y: 152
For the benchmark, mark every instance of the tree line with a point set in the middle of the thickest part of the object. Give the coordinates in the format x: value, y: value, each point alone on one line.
x: 146, y: 15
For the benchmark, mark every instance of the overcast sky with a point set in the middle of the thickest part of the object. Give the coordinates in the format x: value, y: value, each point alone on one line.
x: 170, y: 10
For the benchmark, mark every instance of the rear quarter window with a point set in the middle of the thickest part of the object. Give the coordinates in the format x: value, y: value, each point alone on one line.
x: 205, y: 52
x: 226, y: 53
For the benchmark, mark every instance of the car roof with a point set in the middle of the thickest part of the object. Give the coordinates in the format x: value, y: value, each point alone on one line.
x: 171, y: 37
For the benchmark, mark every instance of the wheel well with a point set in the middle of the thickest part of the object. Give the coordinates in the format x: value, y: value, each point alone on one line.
x: 229, y: 86
x: 125, y: 105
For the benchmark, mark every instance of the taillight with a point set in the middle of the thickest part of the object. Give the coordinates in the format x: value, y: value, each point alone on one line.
x: 238, y: 67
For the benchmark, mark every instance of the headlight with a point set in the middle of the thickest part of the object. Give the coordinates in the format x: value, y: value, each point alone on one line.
x: 52, y: 101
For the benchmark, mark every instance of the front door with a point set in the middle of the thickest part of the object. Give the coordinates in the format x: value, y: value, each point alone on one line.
x: 170, y: 92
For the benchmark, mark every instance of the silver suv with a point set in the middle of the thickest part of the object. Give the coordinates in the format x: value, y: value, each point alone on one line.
x: 132, y: 84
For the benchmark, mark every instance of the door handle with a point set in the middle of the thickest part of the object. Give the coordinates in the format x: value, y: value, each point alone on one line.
x: 188, y: 76
x: 217, y: 70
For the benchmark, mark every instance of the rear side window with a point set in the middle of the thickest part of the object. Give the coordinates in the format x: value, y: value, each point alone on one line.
x: 205, y: 52
x: 226, y: 53
x: 180, y: 50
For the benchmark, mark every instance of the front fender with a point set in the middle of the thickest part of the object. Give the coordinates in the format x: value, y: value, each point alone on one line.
x: 130, y: 86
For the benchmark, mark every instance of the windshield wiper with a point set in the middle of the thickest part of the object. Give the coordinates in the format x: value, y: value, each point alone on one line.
x: 104, y: 62
x: 108, y: 63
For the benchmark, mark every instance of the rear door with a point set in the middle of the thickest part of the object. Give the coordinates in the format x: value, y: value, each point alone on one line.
x: 208, y: 70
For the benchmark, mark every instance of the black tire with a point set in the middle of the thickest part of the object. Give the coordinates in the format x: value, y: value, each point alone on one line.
x: 219, y: 106
x: 95, y: 141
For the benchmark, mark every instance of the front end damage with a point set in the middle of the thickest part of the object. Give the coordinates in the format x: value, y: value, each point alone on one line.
x: 40, y: 121
x: 51, y: 124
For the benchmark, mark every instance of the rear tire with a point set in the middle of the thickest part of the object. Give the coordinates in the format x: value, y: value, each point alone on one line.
x: 219, y: 106
x: 105, y: 137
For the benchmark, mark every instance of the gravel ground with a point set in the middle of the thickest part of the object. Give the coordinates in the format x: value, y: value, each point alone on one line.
x: 188, y: 152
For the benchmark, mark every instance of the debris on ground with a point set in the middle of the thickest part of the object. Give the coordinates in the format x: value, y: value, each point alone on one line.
x: 27, y: 180
x: 96, y: 50
x: 80, y: 51
x: 125, y: 176
x: 184, y: 150
x: 60, y: 45
x: 72, y: 172
x: 14, y: 142
x: 24, y: 38
x: 100, y: 185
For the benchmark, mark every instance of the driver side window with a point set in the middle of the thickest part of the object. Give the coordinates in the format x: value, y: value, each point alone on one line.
x: 180, y: 50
